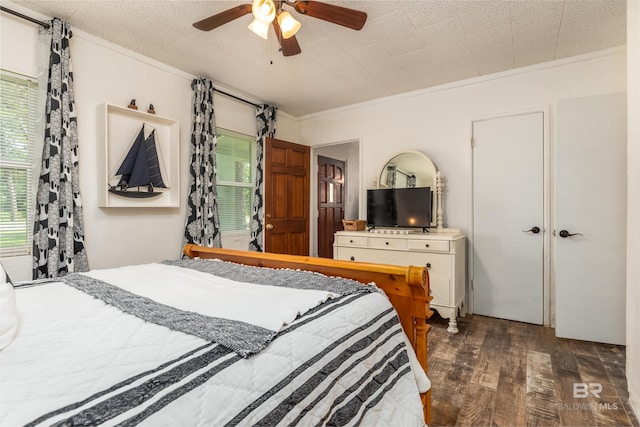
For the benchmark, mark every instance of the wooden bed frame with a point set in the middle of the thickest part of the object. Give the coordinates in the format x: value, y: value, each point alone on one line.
x: 406, y: 287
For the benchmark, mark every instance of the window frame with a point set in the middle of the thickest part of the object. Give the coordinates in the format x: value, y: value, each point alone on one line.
x: 222, y: 183
x: 28, y: 164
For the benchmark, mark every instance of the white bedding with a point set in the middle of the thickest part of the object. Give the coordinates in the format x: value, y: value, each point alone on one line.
x: 195, y: 291
x: 75, y: 356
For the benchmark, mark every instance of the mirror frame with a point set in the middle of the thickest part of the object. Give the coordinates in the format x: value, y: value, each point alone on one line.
x: 436, y: 185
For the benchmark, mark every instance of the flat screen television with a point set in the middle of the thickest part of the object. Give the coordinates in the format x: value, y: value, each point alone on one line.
x: 399, y: 207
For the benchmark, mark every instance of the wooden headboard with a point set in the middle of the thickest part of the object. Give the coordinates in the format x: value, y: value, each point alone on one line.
x: 406, y: 287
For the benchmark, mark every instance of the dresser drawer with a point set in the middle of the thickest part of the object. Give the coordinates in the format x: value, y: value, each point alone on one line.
x: 442, y: 254
x: 388, y: 243
x: 439, y: 265
x: 428, y: 245
x: 369, y: 255
x: 351, y: 240
x: 440, y: 290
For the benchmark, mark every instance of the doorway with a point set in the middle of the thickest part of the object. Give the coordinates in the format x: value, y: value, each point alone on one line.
x: 571, y: 242
x: 331, y: 180
x: 508, y: 217
x: 591, y: 214
x: 349, y: 153
x: 286, y: 197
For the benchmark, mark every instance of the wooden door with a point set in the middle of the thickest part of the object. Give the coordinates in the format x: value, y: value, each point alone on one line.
x: 508, y: 214
x: 591, y: 196
x: 330, y: 203
x: 286, y: 197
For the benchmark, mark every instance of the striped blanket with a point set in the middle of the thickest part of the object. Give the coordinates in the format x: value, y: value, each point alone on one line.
x: 80, y: 361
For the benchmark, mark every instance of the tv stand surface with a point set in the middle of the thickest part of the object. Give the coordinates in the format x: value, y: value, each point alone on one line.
x: 442, y: 251
x: 399, y: 230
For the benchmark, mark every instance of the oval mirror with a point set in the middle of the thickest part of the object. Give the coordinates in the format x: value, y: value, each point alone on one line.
x: 411, y: 169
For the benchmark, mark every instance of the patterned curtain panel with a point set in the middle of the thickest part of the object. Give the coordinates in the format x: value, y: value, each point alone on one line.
x: 203, y: 223
x: 266, y: 121
x: 58, y: 233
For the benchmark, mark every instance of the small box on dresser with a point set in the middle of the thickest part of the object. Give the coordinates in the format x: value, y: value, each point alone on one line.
x: 441, y: 251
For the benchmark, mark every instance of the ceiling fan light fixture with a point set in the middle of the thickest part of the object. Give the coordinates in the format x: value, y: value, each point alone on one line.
x: 288, y: 24
x: 286, y: 27
x: 264, y: 10
x: 260, y: 28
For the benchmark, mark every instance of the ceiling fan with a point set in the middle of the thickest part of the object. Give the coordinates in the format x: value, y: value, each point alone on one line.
x: 270, y: 12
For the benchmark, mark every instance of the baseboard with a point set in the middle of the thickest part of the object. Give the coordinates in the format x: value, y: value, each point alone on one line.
x: 634, y: 402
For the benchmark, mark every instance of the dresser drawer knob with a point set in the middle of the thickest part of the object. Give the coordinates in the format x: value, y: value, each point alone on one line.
x: 386, y: 243
x: 352, y: 258
x: 429, y: 265
x: 350, y: 241
x: 427, y: 245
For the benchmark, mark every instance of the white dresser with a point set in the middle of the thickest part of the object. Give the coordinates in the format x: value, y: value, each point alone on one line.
x: 442, y: 252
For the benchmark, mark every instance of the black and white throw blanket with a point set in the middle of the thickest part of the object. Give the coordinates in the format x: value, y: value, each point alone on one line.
x: 82, y: 359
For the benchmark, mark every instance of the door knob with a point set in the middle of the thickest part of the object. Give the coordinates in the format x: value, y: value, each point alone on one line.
x: 534, y: 230
x: 269, y: 226
x: 564, y: 234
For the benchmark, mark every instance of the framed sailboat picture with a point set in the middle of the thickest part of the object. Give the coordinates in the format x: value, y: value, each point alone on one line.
x: 139, y: 174
x: 140, y: 167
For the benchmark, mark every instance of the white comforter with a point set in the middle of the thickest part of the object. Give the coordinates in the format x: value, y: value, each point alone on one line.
x: 195, y: 291
x: 77, y: 360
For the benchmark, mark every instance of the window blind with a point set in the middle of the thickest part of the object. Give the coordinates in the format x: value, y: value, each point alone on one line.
x: 18, y: 115
x: 235, y: 159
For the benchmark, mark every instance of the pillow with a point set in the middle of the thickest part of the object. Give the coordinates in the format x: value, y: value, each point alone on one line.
x: 8, y: 311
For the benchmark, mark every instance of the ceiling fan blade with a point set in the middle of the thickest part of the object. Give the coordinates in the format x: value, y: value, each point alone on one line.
x: 288, y: 46
x: 222, y: 18
x: 346, y: 17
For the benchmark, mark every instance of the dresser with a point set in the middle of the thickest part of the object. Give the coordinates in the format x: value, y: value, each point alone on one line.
x: 442, y: 252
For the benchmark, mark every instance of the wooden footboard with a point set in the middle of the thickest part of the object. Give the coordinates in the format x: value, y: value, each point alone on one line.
x: 406, y: 287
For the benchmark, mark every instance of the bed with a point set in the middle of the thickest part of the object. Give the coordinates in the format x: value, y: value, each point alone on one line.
x: 221, y: 337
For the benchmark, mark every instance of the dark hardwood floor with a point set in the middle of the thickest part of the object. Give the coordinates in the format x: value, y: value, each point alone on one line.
x: 498, y: 372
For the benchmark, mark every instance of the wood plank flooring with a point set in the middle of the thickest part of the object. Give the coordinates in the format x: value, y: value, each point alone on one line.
x: 498, y: 372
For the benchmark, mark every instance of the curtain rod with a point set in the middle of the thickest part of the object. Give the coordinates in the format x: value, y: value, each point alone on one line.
x: 236, y: 97
x: 25, y: 17
x: 45, y: 25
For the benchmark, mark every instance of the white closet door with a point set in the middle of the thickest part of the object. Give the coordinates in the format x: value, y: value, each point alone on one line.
x: 591, y: 193
x: 508, y: 199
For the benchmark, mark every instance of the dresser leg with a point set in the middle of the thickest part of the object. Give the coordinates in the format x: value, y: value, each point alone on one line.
x: 453, y: 326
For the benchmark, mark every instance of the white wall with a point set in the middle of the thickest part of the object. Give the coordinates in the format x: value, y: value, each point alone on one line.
x: 18, y: 52
x: 438, y: 121
x: 105, y: 72
x: 633, y: 204
x: 126, y: 236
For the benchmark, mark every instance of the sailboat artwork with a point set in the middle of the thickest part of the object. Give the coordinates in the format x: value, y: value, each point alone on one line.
x: 140, y: 173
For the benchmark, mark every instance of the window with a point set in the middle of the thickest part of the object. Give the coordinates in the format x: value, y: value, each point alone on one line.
x: 235, y: 160
x: 18, y: 113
